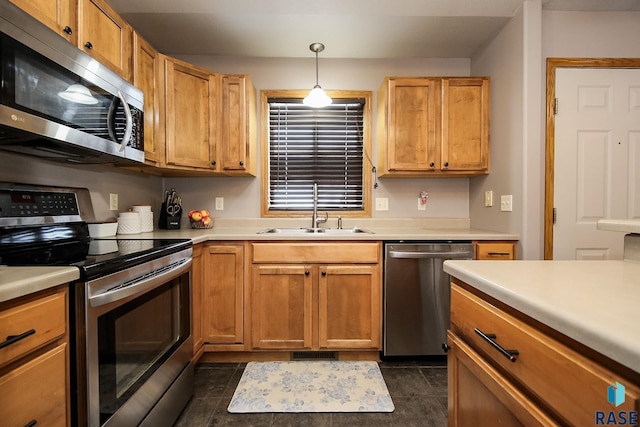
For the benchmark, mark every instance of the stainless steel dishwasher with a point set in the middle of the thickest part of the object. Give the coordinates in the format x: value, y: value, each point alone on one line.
x: 417, y: 296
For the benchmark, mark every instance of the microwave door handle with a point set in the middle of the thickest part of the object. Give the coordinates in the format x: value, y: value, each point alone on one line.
x: 129, y: 128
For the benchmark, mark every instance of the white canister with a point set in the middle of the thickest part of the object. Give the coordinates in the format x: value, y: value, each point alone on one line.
x: 146, y: 217
x: 129, y: 223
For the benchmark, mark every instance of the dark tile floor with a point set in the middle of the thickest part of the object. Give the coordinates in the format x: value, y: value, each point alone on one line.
x: 418, y: 390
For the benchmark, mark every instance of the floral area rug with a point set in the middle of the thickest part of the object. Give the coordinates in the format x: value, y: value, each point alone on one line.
x: 311, y: 386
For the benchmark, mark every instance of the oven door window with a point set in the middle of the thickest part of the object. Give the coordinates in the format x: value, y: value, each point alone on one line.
x: 136, y: 338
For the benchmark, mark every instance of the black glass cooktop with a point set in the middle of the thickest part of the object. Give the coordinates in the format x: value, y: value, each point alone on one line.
x: 70, y: 245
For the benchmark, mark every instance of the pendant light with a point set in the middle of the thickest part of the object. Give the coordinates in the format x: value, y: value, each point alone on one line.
x: 79, y: 94
x: 317, y: 98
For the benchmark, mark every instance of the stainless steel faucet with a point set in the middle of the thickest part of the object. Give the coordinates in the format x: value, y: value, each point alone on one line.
x: 315, y: 220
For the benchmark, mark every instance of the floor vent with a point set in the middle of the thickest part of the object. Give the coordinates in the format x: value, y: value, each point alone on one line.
x: 314, y: 355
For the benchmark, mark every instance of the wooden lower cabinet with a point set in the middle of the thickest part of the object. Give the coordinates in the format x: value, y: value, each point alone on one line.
x: 481, y: 397
x: 316, y: 305
x: 281, y: 307
x: 223, y: 295
x: 495, y: 250
x: 549, y: 380
x: 197, y: 297
x: 34, y: 370
x: 349, y: 307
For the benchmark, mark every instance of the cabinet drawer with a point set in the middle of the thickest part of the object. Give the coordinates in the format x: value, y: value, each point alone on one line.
x: 349, y: 252
x: 569, y: 384
x: 39, y: 321
x: 36, y: 391
x: 495, y: 250
x: 480, y: 396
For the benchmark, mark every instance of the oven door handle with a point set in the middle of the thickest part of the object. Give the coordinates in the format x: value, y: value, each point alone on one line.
x: 141, y: 285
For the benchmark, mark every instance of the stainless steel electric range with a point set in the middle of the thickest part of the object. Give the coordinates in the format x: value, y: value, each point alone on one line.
x: 131, y: 343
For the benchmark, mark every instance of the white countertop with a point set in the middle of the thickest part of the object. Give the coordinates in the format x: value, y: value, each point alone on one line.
x: 18, y: 281
x: 594, y: 302
x: 383, y: 229
x: 626, y: 225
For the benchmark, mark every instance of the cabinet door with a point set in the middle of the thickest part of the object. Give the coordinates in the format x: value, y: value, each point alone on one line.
x: 197, y: 297
x: 59, y: 15
x: 237, y: 127
x: 281, y: 307
x: 350, y: 307
x: 34, y: 393
x: 191, y: 107
x: 223, y: 294
x: 411, y: 134
x: 465, y: 124
x: 479, y: 396
x: 148, y: 77
x: 104, y: 35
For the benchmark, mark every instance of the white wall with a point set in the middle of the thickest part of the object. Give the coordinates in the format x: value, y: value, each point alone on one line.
x: 513, y: 61
x: 447, y: 197
x: 101, y: 180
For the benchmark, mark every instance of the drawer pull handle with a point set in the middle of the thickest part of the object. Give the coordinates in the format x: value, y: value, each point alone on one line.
x: 31, y: 423
x: 11, y: 339
x: 499, y: 253
x: 509, y: 354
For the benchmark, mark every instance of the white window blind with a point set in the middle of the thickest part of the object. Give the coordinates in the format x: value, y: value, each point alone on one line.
x: 323, y: 146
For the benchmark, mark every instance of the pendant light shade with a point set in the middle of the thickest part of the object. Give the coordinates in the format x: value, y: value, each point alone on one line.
x: 317, y: 98
x: 79, y: 94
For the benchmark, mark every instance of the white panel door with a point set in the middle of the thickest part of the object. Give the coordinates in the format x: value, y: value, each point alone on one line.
x: 597, y: 154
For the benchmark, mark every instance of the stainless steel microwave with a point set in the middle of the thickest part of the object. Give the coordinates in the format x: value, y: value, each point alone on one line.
x: 58, y: 103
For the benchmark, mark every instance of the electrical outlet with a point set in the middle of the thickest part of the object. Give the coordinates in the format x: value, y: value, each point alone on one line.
x: 113, y: 201
x: 219, y: 203
x: 488, y: 198
x: 421, y: 206
x: 506, y: 203
x: 382, y: 204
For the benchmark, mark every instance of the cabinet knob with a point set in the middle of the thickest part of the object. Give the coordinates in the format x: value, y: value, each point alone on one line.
x: 432, y: 164
x: 213, y: 162
x: 68, y: 30
x: 446, y: 164
x: 445, y: 347
x: 324, y: 273
x: 88, y: 45
x: 306, y: 273
x: 241, y: 163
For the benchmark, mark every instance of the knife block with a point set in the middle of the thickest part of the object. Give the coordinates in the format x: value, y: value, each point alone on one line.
x: 166, y: 221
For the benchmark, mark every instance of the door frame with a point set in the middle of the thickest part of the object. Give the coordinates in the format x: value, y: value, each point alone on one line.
x: 552, y: 65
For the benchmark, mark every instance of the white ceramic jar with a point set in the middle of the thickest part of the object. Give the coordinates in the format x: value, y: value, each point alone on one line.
x: 129, y: 223
x: 146, y: 217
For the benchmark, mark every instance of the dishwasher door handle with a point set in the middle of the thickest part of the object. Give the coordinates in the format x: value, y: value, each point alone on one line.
x: 419, y: 254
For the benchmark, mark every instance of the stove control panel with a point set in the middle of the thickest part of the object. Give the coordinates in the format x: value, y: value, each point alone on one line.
x: 25, y: 203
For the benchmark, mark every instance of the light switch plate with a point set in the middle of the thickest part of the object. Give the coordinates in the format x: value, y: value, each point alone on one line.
x: 506, y: 203
x: 219, y: 203
x: 382, y: 204
x: 421, y: 206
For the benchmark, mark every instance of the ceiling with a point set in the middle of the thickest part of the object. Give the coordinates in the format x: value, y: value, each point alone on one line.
x: 348, y: 28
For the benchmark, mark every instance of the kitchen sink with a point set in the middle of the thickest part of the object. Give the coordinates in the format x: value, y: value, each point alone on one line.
x: 305, y: 231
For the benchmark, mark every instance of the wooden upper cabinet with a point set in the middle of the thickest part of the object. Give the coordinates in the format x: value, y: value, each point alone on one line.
x: 465, y: 124
x: 104, y: 35
x: 191, y: 97
x: 238, y: 125
x: 148, y: 76
x: 431, y: 126
x: 59, y: 15
x: 407, y: 121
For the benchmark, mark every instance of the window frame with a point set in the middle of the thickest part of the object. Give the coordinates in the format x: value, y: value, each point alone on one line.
x: 366, y: 161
